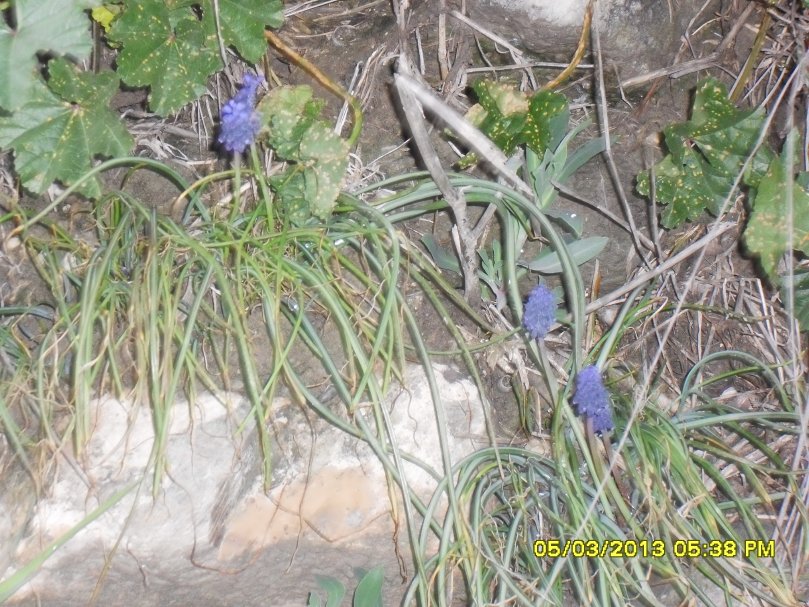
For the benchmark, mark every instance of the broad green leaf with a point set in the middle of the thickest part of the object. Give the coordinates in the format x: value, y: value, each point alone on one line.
x: 56, y: 138
x: 54, y: 26
x: 766, y: 235
x: 334, y: 592
x: 369, y: 590
x: 571, y: 221
x: 582, y: 155
x: 799, y: 284
x: 441, y: 258
x: 242, y: 23
x: 705, y: 156
x: 167, y: 48
x: 581, y: 251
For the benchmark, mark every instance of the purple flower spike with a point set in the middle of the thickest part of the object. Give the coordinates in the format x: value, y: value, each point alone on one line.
x: 540, y: 312
x: 592, y: 400
x: 240, y: 121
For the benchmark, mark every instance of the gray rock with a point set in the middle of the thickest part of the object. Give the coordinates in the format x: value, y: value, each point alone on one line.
x: 636, y: 36
x: 212, y: 536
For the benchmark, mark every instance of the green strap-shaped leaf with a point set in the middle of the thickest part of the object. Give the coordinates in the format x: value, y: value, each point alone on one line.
x: 168, y: 48
x: 580, y: 251
x: 56, y: 138
x: 767, y: 234
x: 55, y: 26
x: 242, y: 23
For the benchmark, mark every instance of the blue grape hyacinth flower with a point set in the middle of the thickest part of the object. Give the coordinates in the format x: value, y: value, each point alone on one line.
x: 592, y: 400
x: 240, y: 120
x: 540, y: 312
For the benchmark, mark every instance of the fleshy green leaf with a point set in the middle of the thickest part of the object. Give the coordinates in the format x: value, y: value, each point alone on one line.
x: 705, y: 156
x: 766, y: 235
x: 54, y: 26
x: 442, y: 258
x: 369, y: 590
x: 242, y: 22
x: 56, y: 138
x: 581, y: 251
x: 167, y: 48
x: 335, y: 592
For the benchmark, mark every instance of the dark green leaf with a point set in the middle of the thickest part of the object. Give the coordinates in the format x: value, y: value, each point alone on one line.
x: 290, y: 115
x: 242, y: 23
x: 511, y: 118
x: 334, y: 592
x: 705, y: 156
x: 167, y: 48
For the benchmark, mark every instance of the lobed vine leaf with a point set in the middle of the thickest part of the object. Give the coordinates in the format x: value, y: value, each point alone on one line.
x: 242, y: 23
x: 767, y: 229
x: 58, y: 27
x: 167, y: 47
x: 59, y: 131
x: 705, y: 156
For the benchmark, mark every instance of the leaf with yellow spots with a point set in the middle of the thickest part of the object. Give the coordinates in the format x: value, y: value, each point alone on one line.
x: 510, y: 118
x: 775, y: 201
x: 58, y: 132
x: 705, y: 156
x: 310, y: 187
x: 168, y: 47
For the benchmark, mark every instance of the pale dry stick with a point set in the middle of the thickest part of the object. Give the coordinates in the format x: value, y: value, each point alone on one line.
x: 641, y: 279
x: 443, y: 63
x: 220, y: 41
x: 477, y: 141
x: 420, y: 49
x: 465, y: 244
x: 695, y: 65
x: 518, y: 66
x: 306, y: 6
x: 604, y: 121
x: 516, y: 53
x: 351, y: 11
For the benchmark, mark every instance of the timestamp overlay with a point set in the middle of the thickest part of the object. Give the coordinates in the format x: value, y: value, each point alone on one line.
x: 653, y: 548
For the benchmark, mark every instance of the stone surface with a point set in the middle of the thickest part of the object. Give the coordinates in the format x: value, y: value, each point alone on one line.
x: 212, y: 536
x: 636, y: 36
